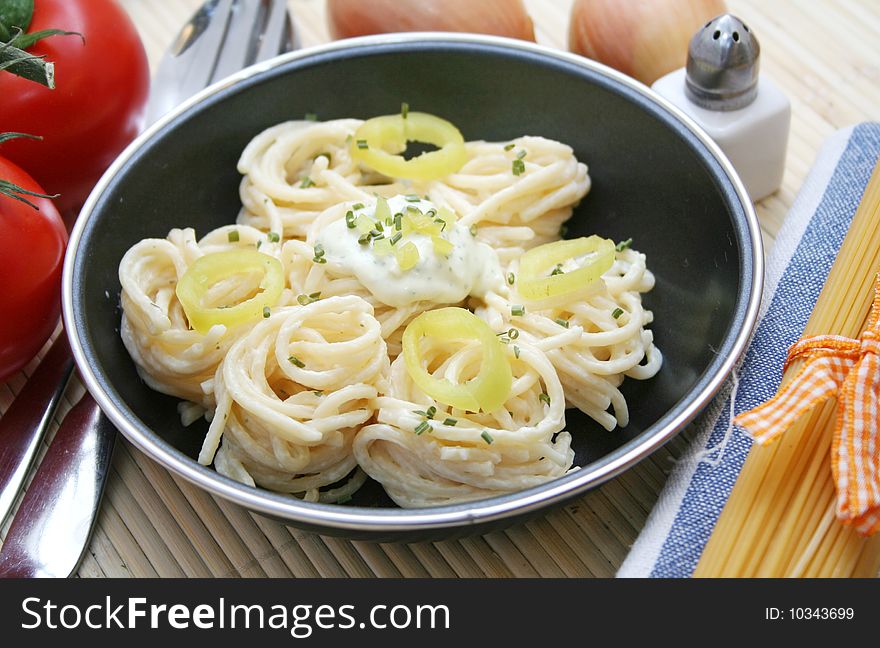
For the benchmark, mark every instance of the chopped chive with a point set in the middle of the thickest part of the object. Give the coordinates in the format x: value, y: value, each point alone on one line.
x: 364, y: 239
x: 413, y: 198
x: 516, y: 351
x: 379, y: 226
x: 557, y: 270
x: 511, y: 278
x: 617, y: 312
x: 519, y: 167
x: 266, y: 311
x: 431, y: 411
x: 518, y: 310
x: 396, y: 238
x: 348, y: 138
x: 349, y: 219
x: 420, y: 413
x: 404, y: 109
x: 513, y: 333
x: 623, y: 245
x: 561, y: 322
x: 259, y: 243
x: 388, y: 222
x: 233, y: 236
x: 319, y: 260
x: 442, y: 224
x: 273, y: 236
x: 357, y: 206
x: 317, y: 392
x: 521, y: 154
x: 422, y: 427
x: 362, y: 144
x: 398, y: 221
x: 431, y: 212
x: 376, y: 234
x: 473, y: 230
x: 450, y: 421
x: 305, y: 300
x: 509, y: 147
x: 319, y: 250
x: 563, y: 230
x: 296, y: 361
x: 311, y: 117
x: 486, y: 436
x: 544, y: 398
x: 306, y: 183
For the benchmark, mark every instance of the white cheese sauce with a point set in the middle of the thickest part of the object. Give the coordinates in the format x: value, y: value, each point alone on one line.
x: 471, y: 268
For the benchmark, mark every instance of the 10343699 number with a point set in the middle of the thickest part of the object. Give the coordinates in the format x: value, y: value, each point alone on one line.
x: 821, y: 613
x: 810, y: 613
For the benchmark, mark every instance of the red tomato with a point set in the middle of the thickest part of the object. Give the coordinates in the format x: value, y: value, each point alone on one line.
x: 32, y: 247
x: 96, y: 107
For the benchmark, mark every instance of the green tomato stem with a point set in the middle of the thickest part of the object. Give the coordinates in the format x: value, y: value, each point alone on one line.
x: 28, y: 66
x: 18, y: 193
x: 13, y: 190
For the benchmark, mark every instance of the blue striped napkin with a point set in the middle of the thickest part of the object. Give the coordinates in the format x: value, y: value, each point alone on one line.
x: 682, y: 521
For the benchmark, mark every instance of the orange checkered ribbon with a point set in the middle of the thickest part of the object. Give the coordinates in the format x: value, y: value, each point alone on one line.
x: 850, y: 370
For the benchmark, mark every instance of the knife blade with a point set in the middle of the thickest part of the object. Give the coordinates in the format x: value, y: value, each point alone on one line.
x: 50, y: 531
x: 27, y: 420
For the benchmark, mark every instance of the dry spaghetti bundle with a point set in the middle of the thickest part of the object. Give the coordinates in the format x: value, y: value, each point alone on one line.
x: 782, y: 518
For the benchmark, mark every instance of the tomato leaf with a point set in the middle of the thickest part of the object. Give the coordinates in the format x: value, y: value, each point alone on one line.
x: 15, y: 14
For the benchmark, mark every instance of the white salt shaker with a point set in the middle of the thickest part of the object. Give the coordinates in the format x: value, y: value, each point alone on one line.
x: 744, y: 112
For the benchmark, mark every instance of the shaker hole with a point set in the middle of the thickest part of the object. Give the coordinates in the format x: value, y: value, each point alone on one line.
x: 736, y: 37
x: 707, y: 24
x: 716, y: 35
x: 746, y: 27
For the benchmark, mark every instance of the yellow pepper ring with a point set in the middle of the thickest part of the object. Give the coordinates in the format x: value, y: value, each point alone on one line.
x: 378, y: 142
x: 534, y: 282
x: 212, y: 268
x: 488, y: 389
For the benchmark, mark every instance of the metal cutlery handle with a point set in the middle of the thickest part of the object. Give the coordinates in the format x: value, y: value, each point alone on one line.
x: 25, y: 423
x: 54, y: 522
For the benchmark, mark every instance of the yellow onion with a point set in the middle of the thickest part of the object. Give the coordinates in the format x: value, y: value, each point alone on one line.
x: 642, y: 38
x: 347, y: 18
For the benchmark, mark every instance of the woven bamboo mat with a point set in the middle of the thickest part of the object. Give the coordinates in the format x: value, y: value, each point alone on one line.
x: 824, y: 54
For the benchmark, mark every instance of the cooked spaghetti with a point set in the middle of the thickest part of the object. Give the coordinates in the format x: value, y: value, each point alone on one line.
x: 416, y: 320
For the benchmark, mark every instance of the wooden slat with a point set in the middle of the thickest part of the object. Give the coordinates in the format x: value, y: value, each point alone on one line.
x: 822, y: 53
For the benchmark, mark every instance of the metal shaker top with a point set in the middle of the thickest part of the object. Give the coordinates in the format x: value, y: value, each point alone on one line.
x: 722, y: 65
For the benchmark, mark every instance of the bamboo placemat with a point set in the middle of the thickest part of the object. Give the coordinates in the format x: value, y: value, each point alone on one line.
x: 824, y: 54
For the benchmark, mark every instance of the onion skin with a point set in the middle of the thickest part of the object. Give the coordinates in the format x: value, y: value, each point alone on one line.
x: 348, y: 18
x: 645, y: 39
